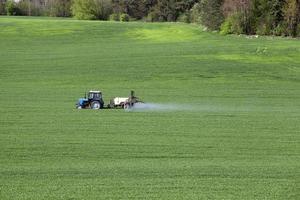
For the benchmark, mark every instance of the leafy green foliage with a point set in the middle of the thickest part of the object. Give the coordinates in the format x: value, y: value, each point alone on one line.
x: 263, y: 17
x: 195, y: 16
x: 268, y: 16
x: 84, y: 9
x: 103, y: 9
x: 124, y: 17
x: 235, y: 137
x: 185, y: 18
x: 210, y: 13
x: 114, y: 17
x: 226, y: 27
x: 59, y: 8
x: 2, y: 7
x: 10, y: 7
x: 292, y: 16
x: 91, y: 9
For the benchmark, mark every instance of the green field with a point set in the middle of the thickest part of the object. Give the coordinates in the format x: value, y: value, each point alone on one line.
x: 238, y: 139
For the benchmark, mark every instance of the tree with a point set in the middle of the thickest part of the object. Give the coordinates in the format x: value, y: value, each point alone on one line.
x: 91, y: 9
x: 183, y: 6
x: 276, y: 11
x: 135, y: 8
x: 292, y: 16
x: 31, y: 7
x: 84, y: 9
x: 10, y: 7
x: 58, y: 8
x: 195, y: 14
x: 103, y: 9
x: 164, y: 10
x: 2, y: 7
x: 238, y: 17
x: 268, y: 16
x: 211, y: 14
x: 25, y: 7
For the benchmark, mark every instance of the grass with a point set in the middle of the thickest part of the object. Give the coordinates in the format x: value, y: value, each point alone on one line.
x: 240, y: 140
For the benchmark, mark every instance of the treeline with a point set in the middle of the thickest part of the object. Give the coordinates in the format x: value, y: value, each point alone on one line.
x: 55, y: 8
x: 262, y: 17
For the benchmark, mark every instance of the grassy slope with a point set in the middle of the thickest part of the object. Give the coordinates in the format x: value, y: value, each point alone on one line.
x: 241, y: 141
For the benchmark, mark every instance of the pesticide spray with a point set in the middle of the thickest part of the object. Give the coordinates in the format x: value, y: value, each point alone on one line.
x: 173, y: 107
x: 158, y: 107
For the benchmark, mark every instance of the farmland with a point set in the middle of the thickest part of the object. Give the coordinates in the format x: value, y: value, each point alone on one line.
x: 238, y: 139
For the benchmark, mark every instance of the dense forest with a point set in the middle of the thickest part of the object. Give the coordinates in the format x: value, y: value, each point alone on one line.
x: 262, y: 17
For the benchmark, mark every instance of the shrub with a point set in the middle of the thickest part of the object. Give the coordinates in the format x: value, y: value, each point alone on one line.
x: 185, y: 18
x: 298, y: 30
x: 164, y: 10
x: 226, y: 27
x: 2, y: 8
x: 263, y: 29
x: 89, y: 9
x: 58, y: 8
x: 211, y: 14
x: 114, y: 17
x: 291, y: 16
x: 35, y: 9
x: 195, y: 16
x: 124, y: 17
x: 151, y: 17
x: 280, y: 29
x: 238, y: 25
x: 232, y: 24
x: 10, y: 7
x: 103, y: 9
x: 84, y: 9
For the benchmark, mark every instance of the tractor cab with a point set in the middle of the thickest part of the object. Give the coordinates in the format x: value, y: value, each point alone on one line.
x: 94, y: 100
x: 94, y: 95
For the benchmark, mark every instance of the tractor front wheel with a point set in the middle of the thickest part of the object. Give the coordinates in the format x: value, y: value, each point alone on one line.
x: 95, y: 105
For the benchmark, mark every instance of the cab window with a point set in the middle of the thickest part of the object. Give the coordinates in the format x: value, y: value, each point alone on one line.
x: 96, y: 95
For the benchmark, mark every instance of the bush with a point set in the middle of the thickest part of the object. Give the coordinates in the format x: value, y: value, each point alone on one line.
x: 298, y: 30
x: 114, y: 17
x: 211, y: 14
x: 280, y: 29
x: 195, y: 16
x: 58, y: 8
x: 185, y: 18
x: 263, y: 29
x: 151, y: 17
x: 23, y: 7
x: 2, y: 8
x: 232, y: 24
x: 124, y: 17
x: 103, y: 9
x: 91, y: 9
x: 226, y: 27
x: 84, y: 9
x: 265, y: 25
x: 291, y: 16
x: 11, y: 8
x: 164, y: 10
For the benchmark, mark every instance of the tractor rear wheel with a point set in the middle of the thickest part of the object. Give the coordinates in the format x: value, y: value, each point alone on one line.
x: 95, y: 105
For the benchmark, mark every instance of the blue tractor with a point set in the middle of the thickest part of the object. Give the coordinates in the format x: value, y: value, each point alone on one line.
x: 94, y: 100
